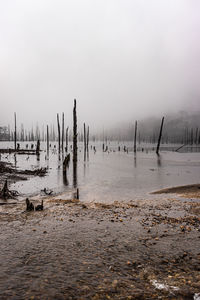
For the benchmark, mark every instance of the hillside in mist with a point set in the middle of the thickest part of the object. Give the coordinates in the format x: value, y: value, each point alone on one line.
x: 180, y: 127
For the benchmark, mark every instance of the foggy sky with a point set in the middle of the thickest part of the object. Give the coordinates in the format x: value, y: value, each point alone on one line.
x: 121, y: 59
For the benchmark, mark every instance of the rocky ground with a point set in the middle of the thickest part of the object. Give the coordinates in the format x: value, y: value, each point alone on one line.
x: 147, y: 249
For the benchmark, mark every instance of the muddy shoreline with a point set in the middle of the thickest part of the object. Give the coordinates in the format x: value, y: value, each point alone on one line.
x: 73, y: 250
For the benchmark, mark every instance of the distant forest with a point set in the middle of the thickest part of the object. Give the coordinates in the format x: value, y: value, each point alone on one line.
x: 182, y: 127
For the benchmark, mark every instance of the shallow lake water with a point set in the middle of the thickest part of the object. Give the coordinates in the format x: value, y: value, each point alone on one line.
x: 107, y: 176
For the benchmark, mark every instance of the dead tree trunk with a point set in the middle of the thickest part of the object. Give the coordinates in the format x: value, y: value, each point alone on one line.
x: 15, y: 133
x: 38, y: 148
x: 87, y: 144
x: 74, y: 133
x: 84, y: 137
x: 67, y: 139
x: 135, y: 137
x: 74, y: 145
x: 160, y: 135
x: 63, y: 132
x: 66, y: 162
x: 58, y: 133
x: 47, y: 140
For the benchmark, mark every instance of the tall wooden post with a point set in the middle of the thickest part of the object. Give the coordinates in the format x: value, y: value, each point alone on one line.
x: 47, y: 140
x: 74, y: 133
x: 135, y: 136
x: 74, y: 145
x: 87, y: 145
x: 160, y: 135
x: 58, y: 133
x: 15, y: 133
x: 63, y: 131
x: 84, y: 137
x: 67, y: 139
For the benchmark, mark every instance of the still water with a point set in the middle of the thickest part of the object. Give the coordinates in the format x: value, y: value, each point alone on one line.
x: 108, y: 176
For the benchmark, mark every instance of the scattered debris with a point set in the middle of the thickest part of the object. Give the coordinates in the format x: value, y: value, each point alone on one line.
x: 38, y: 172
x: 39, y: 206
x: 47, y: 192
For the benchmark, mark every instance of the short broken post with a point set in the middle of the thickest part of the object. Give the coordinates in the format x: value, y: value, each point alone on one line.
x: 135, y: 137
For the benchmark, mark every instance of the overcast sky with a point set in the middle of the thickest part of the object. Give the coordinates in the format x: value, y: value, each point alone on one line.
x: 121, y: 59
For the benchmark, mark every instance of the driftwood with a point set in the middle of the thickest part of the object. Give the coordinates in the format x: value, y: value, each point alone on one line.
x: 6, y: 193
x: 180, y: 147
x: 38, y: 172
x: 47, y: 192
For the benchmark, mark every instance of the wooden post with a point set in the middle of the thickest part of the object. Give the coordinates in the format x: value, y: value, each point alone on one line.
x: 74, y: 145
x: 58, y: 133
x: 87, y: 144
x: 38, y: 148
x: 135, y: 137
x: 15, y: 134
x: 47, y: 140
x: 74, y: 133
x: 62, y: 132
x: 67, y: 139
x: 84, y: 137
x: 160, y: 135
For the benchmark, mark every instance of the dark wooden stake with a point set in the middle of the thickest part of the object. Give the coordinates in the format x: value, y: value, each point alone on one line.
x: 47, y: 140
x: 67, y: 139
x: 135, y: 137
x: 160, y: 135
x: 74, y: 145
x: 63, y: 132
x: 74, y: 133
x: 58, y: 133
x: 87, y: 145
x: 15, y: 134
x: 84, y: 137
x: 38, y: 148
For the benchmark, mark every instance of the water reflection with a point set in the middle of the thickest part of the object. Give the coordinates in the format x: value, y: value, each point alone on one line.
x: 135, y: 160
x: 65, y: 180
x: 159, y: 160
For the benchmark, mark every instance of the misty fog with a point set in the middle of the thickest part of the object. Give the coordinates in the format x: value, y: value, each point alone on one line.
x: 121, y: 60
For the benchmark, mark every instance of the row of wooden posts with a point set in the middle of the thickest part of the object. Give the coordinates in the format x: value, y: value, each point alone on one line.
x: 75, y: 134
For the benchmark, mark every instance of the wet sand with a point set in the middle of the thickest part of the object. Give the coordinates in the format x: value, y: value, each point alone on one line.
x: 187, y: 191
x: 146, y: 249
